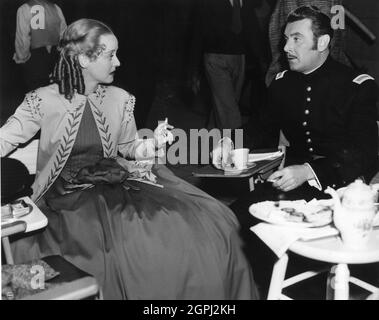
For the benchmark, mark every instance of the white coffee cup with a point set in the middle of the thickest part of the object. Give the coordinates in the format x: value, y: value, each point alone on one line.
x: 239, y: 158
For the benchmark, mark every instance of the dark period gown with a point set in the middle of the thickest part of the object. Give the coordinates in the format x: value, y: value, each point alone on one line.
x: 175, y: 242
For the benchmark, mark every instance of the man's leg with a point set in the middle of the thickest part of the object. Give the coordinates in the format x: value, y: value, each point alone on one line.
x: 225, y: 103
x: 238, y: 69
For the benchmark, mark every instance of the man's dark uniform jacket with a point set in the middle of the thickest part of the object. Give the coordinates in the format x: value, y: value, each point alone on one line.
x: 328, y: 117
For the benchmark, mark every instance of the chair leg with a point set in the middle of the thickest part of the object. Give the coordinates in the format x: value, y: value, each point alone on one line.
x: 100, y: 295
x: 7, y: 250
x: 277, y: 278
x: 363, y: 284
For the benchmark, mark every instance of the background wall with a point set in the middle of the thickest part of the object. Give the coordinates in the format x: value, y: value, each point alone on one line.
x: 364, y: 52
x: 154, y: 38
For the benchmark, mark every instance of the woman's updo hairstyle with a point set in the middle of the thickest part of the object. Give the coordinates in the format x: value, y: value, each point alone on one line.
x: 80, y: 37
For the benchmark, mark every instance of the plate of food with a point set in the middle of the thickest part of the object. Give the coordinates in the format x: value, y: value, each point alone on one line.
x: 298, y: 213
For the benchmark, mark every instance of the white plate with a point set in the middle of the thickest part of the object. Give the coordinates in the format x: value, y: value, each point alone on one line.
x: 270, y: 211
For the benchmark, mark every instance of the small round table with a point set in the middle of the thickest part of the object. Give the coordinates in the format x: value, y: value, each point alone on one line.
x: 330, y: 250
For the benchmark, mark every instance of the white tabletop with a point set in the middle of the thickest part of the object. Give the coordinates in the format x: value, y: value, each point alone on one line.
x: 333, y: 250
x: 34, y: 220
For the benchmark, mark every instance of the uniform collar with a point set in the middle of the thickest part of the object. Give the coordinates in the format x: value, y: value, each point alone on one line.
x: 321, y: 70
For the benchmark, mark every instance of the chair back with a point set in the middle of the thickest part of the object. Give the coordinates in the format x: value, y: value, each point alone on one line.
x: 27, y: 154
x: 17, y: 172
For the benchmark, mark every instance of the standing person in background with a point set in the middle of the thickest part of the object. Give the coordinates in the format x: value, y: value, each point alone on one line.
x: 277, y: 23
x: 226, y: 33
x: 39, y: 26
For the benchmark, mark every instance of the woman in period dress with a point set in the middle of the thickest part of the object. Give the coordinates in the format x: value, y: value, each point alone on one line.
x: 140, y: 240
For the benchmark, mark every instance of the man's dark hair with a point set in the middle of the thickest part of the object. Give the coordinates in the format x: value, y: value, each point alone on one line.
x: 320, y: 21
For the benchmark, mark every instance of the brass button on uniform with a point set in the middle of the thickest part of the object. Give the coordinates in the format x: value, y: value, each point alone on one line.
x: 310, y: 149
x: 306, y: 111
x: 305, y: 123
x: 308, y: 133
x: 308, y: 99
x: 309, y: 140
x: 309, y: 89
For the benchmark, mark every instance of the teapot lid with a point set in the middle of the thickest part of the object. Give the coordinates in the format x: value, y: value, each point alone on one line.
x: 359, y: 193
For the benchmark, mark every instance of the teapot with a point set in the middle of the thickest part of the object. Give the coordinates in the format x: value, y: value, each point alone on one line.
x: 354, y: 213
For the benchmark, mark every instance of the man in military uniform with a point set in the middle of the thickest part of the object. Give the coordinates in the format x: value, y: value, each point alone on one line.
x: 327, y: 112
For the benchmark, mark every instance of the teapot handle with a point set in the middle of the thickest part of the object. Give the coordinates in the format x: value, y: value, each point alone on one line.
x: 375, y: 221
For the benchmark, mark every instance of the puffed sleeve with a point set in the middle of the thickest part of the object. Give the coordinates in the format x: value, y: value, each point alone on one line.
x: 130, y: 145
x: 22, y: 39
x: 23, y: 125
x: 128, y: 136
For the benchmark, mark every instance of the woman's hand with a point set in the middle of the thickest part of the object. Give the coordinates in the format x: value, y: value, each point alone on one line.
x: 162, y: 134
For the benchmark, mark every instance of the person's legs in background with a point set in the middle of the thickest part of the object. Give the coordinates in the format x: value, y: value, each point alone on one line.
x: 238, y: 74
x: 225, y: 77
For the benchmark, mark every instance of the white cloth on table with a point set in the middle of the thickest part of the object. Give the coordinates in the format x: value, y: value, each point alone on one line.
x: 279, y: 238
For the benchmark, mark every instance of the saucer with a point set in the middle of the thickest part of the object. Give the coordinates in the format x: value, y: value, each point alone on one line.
x: 234, y: 170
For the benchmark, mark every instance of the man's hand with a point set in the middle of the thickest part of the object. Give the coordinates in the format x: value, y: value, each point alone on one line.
x: 217, y: 157
x: 220, y: 154
x: 291, y: 177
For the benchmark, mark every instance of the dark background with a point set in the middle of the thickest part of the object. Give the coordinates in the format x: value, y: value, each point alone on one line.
x: 153, y: 42
x: 154, y: 39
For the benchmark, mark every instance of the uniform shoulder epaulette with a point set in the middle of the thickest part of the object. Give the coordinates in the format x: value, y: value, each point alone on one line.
x: 280, y: 75
x: 362, y: 78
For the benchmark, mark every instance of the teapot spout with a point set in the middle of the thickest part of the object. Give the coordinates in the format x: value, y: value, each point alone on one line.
x: 338, y: 216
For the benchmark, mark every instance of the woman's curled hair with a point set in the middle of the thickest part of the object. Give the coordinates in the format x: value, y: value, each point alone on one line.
x: 80, y: 37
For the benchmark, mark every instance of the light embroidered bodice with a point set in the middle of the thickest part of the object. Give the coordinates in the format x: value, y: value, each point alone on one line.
x: 59, y: 119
